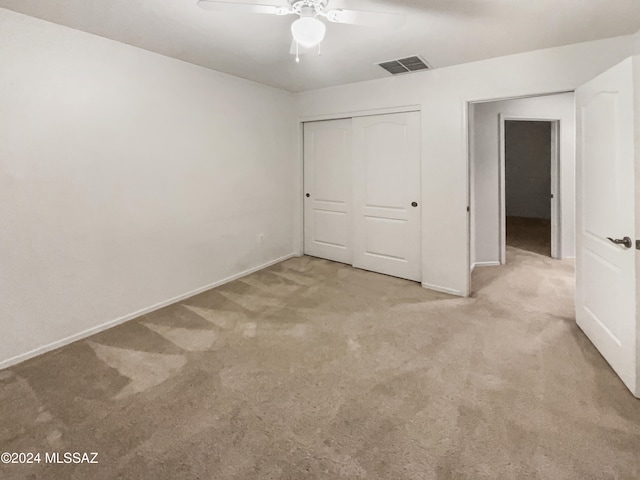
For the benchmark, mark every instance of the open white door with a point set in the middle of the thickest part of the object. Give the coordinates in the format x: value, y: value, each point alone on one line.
x: 328, y: 192
x: 386, y: 156
x: 605, y: 207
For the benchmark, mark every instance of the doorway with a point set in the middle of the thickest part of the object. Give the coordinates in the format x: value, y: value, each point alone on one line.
x: 528, y: 185
x: 541, y: 126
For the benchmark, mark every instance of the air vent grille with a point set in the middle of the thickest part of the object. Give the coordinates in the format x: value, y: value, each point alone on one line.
x: 405, y: 65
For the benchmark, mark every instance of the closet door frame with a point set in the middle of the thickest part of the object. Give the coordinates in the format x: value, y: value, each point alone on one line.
x: 299, y: 198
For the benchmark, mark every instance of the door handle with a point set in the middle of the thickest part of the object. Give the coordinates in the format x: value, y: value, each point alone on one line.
x: 414, y: 204
x: 626, y: 241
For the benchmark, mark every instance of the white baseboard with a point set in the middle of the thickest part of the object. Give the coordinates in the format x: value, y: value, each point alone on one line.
x: 112, y: 323
x: 484, y: 264
x: 437, y: 288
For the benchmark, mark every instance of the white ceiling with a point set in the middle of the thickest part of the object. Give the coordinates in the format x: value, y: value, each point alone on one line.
x: 256, y: 47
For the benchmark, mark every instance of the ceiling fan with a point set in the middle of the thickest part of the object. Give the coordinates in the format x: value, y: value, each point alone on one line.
x: 308, y: 30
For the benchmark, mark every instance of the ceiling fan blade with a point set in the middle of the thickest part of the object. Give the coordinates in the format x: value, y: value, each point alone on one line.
x: 367, y: 19
x: 243, y: 7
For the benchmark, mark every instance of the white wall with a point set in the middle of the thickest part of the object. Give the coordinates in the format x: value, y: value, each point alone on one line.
x: 443, y: 95
x: 127, y: 179
x: 485, y: 207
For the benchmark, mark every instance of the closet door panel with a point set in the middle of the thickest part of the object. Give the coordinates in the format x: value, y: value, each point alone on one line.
x: 386, y: 188
x: 328, y: 225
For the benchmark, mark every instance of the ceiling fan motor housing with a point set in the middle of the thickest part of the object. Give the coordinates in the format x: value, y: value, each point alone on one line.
x: 302, y: 7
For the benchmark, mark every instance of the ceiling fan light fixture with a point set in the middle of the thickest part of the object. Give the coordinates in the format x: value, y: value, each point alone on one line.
x: 308, y: 31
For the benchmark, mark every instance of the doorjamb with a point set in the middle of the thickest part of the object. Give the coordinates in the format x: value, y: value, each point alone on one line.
x: 555, y: 183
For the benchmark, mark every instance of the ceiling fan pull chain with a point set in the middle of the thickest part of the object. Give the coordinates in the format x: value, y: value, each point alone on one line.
x: 297, y: 52
x: 320, y: 49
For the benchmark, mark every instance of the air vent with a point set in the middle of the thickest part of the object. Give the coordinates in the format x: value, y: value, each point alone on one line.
x: 405, y: 65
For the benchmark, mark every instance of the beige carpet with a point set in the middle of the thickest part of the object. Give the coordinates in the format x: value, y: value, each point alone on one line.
x: 531, y: 234
x: 314, y: 370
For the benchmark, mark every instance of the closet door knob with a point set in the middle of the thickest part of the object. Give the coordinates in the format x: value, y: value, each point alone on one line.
x: 414, y: 204
x: 307, y: 195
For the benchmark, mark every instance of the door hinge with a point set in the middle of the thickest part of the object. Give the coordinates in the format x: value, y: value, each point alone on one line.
x: 637, y: 244
x: 468, y: 209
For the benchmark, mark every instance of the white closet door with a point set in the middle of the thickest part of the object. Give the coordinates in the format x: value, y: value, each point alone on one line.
x: 386, y: 187
x: 328, y: 192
